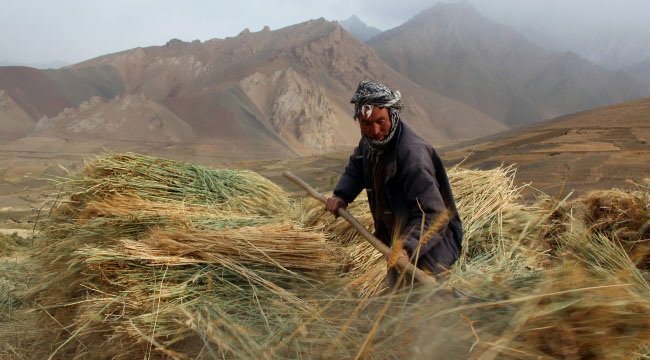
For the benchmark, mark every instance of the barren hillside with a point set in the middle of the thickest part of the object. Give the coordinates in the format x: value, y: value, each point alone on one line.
x: 132, y: 118
x: 286, y: 91
x: 296, y: 80
x: 597, y: 149
x: 454, y: 50
x: 15, y: 121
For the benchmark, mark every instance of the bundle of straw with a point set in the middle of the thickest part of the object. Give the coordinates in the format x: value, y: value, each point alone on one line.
x: 622, y: 216
x: 487, y: 204
x: 149, y: 256
x: 142, y: 271
x: 160, y: 179
x: 591, y: 304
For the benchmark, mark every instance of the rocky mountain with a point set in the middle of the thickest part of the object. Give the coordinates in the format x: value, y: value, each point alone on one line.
x: 127, y: 118
x: 454, y: 50
x: 359, y: 29
x: 16, y: 123
x: 286, y: 92
x: 47, y: 92
x: 287, y: 89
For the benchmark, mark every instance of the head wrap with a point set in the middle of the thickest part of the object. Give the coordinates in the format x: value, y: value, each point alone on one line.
x: 371, y: 94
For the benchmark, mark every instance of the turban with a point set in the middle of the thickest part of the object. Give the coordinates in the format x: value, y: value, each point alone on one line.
x: 375, y: 94
x: 371, y: 94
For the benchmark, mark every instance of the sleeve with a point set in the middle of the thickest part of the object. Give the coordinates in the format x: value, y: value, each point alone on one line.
x: 423, y: 200
x: 350, y: 183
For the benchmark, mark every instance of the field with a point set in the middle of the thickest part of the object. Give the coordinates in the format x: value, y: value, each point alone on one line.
x: 187, y: 255
x: 147, y: 257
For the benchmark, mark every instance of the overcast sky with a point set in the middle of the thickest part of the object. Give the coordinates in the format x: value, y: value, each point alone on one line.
x: 41, y: 31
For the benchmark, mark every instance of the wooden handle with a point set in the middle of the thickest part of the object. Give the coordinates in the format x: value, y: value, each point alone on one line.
x: 402, y: 264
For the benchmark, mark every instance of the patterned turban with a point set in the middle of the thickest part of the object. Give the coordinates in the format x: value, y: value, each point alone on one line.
x: 370, y: 94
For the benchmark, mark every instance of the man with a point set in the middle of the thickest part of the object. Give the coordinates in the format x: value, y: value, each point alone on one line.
x: 405, y: 181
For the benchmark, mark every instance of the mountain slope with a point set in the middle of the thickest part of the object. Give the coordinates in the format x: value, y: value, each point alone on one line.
x: 15, y: 121
x: 295, y: 82
x: 595, y: 149
x: 47, y: 92
x: 453, y: 50
x: 641, y: 73
x: 359, y: 29
x: 603, y: 45
x: 129, y: 118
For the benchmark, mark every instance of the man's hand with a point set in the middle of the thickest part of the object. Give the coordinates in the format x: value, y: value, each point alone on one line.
x: 392, y: 258
x: 334, y: 203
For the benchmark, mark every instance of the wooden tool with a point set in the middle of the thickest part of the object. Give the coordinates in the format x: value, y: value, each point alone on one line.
x: 402, y: 264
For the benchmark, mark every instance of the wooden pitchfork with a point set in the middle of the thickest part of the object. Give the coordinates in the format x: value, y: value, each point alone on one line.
x: 402, y: 264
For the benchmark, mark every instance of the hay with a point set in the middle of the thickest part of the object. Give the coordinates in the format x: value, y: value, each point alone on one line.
x: 159, y: 179
x: 185, y: 261
x: 621, y: 216
x: 492, y: 219
x: 590, y: 302
x: 139, y: 270
x: 9, y: 244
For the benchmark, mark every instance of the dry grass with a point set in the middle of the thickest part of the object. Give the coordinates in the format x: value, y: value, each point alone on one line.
x: 9, y: 243
x: 142, y: 260
x: 169, y: 254
x: 492, y: 219
x: 623, y: 217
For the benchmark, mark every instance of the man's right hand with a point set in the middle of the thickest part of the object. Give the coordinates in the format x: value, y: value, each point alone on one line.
x: 334, y: 203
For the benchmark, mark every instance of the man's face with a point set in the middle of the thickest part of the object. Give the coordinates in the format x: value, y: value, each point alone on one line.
x: 377, y: 125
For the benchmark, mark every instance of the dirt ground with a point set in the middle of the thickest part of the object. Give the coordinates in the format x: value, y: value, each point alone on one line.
x: 593, y: 150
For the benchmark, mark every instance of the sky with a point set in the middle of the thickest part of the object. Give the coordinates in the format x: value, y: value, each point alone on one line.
x: 42, y: 31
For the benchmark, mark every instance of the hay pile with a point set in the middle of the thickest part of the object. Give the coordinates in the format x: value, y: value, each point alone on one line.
x: 623, y: 217
x: 149, y: 257
x: 545, y: 283
x: 492, y: 219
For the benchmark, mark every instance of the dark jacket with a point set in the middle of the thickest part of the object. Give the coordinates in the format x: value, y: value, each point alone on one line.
x: 414, y: 184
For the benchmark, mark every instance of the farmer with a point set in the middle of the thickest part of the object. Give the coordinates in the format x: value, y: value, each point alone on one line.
x: 405, y: 181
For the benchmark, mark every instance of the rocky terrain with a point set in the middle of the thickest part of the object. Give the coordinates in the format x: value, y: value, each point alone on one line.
x: 285, y: 90
x: 16, y: 122
x: 454, y: 50
x: 359, y: 29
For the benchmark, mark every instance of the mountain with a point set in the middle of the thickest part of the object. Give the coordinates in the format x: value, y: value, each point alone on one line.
x: 641, y: 73
x: 454, y: 50
x: 294, y: 81
x: 597, y: 149
x: 15, y: 121
x: 286, y: 90
x: 359, y: 29
x: 47, y: 92
x: 606, y: 47
x: 128, y: 118
x: 54, y: 64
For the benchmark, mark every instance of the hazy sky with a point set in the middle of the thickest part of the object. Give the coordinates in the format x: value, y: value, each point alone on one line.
x: 40, y: 31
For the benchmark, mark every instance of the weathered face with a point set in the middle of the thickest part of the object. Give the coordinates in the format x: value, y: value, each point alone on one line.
x: 377, y: 125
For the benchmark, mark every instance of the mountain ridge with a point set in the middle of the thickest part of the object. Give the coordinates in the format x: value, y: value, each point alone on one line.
x: 309, y: 71
x: 454, y: 50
